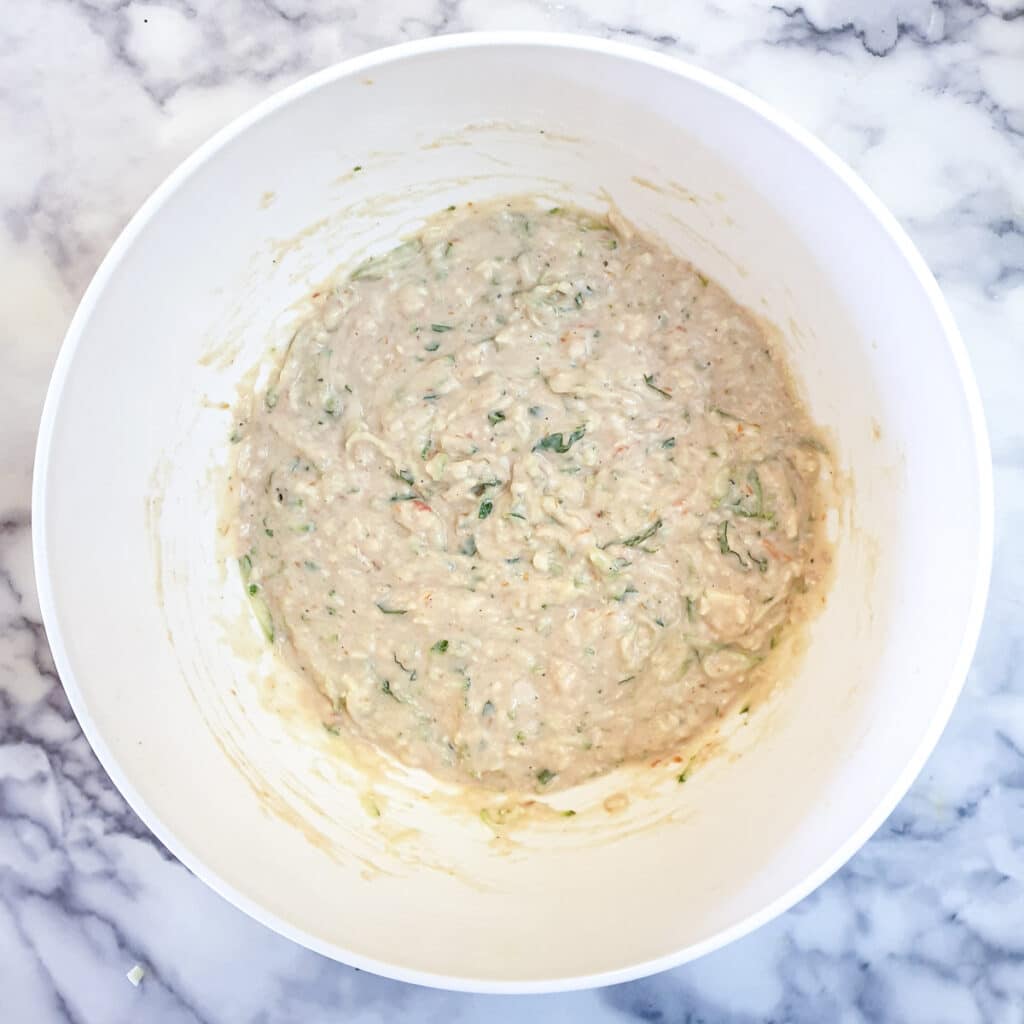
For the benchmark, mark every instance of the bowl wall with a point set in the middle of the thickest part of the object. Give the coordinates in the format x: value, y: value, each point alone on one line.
x: 147, y: 617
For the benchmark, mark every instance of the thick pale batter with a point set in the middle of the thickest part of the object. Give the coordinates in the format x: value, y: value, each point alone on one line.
x: 527, y: 497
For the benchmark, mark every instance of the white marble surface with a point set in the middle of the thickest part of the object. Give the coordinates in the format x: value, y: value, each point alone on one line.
x: 99, y: 99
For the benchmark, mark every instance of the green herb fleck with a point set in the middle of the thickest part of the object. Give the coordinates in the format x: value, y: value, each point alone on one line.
x: 545, y: 775
x: 486, y: 507
x: 558, y: 442
x: 727, y: 415
x: 410, y: 672
x: 392, y: 611
x: 578, y: 299
x: 669, y: 442
x: 440, y: 647
x: 494, y: 418
x: 385, y: 687
x: 440, y: 328
x: 432, y: 346
x: 649, y: 381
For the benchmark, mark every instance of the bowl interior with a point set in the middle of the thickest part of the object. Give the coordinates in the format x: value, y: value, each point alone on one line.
x: 147, y: 616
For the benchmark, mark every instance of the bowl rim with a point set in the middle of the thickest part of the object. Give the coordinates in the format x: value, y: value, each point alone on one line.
x: 359, y: 65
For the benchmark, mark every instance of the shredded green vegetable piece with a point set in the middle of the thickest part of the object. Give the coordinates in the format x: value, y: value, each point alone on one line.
x: 638, y: 538
x: 723, y: 543
x: 373, y: 269
x: 746, y: 500
x: 814, y: 443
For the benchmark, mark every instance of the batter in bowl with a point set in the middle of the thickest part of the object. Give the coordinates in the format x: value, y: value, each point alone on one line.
x: 528, y: 497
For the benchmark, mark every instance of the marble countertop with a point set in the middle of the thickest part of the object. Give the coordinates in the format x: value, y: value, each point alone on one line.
x: 100, y: 99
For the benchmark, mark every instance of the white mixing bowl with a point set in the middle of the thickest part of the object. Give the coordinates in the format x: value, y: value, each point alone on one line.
x: 147, y: 618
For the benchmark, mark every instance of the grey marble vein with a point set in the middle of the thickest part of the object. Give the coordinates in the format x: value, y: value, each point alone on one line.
x: 99, y: 99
